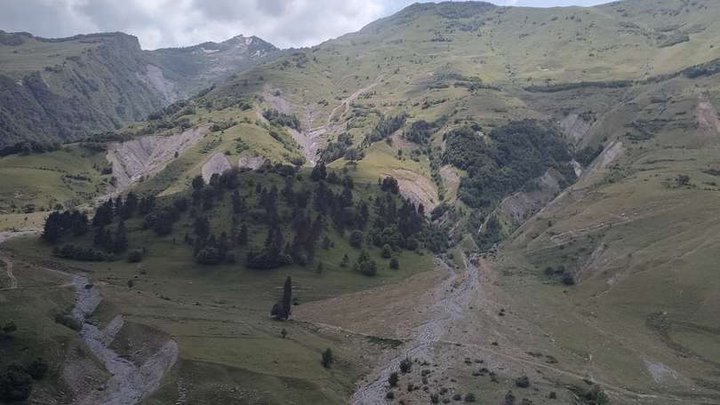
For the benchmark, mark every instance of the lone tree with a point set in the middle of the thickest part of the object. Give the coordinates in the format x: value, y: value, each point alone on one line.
x: 393, y: 379
x: 282, y: 309
x: 327, y: 358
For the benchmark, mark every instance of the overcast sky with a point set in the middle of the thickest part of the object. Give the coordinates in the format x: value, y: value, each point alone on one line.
x: 169, y: 23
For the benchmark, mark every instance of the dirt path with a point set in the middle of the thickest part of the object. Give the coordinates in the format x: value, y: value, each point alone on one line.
x: 8, y: 271
x: 310, y: 139
x: 8, y: 263
x: 451, y: 299
x: 346, y: 103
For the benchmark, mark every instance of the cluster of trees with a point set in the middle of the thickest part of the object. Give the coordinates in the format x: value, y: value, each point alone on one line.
x: 338, y: 148
x: 420, y: 132
x: 586, y: 155
x: 385, y: 127
x: 278, y: 118
x: 16, y: 381
x: 296, y: 216
x: 517, y: 154
x: 59, y: 224
x: 29, y: 147
x: 109, y: 239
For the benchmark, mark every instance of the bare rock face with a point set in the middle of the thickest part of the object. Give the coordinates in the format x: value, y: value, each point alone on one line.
x: 217, y: 164
x: 575, y: 127
x: 146, y: 156
x: 251, y: 162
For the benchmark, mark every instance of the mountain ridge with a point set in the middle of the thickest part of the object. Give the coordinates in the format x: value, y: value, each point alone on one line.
x: 98, y: 82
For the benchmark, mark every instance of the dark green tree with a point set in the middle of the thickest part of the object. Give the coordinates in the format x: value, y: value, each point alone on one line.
x: 15, y: 384
x: 327, y: 358
x: 283, y: 308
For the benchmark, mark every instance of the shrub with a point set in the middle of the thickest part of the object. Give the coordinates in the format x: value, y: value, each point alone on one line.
x: 470, y: 397
x: 37, y: 369
x: 393, y: 379
x: 9, y: 327
x: 394, y: 264
x: 405, y: 366
x: 68, y: 321
x: 15, y: 384
x: 356, y: 239
x: 327, y: 358
x: 522, y: 382
x: 386, y: 251
x: 135, y: 256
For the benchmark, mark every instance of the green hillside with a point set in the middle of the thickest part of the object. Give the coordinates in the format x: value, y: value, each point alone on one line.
x: 545, y: 179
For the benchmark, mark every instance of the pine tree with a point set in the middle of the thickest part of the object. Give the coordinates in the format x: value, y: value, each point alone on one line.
x: 327, y: 358
x: 53, y: 229
x: 287, y: 295
x: 242, y: 238
x: 282, y: 309
x: 120, y: 242
x: 319, y: 172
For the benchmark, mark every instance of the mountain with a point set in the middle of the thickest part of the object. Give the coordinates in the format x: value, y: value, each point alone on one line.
x: 544, y: 179
x: 69, y: 88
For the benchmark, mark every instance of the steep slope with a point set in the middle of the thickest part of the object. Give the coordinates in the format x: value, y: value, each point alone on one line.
x: 65, y: 89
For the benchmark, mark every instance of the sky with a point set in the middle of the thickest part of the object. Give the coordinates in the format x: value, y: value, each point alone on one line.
x: 172, y: 23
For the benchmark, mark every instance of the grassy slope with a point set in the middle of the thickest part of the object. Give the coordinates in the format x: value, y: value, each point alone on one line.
x: 44, y: 180
x: 642, y: 248
x: 607, y: 322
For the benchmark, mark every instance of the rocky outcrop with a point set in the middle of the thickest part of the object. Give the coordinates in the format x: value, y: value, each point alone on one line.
x: 146, y: 156
x: 217, y: 164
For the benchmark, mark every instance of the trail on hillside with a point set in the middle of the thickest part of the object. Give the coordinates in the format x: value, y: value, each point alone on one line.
x: 451, y: 299
x: 6, y: 260
x: 309, y: 140
x: 8, y: 271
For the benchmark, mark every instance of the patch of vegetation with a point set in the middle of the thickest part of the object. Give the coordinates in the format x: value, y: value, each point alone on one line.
x: 586, y: 155
x: 385, y: 127
x: 421, y: 131
x: 280, y: 119
x: 505, y: 161
x: 555, y: 88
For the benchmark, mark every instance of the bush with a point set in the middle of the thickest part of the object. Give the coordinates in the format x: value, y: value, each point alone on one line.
x: 393, y: 379
x: 522, y: 382
x: 405, y: 366
x: 470, y: 397
x: 135, y: 256
x: 568, y: 279
x: 68, y: 321
x: 394, y: 263
x: 386, y: 251
x: 356, y: 239
x: 37, y: 369
x: 9, y: 327
x: 328, y: 358
x: 15, y: 384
